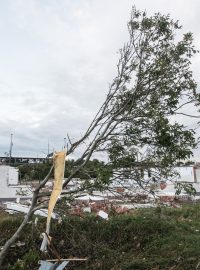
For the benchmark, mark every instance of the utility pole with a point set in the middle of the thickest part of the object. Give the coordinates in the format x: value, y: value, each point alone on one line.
x: 11, y: 145
x: 64, y: 143
x: 48, y: 149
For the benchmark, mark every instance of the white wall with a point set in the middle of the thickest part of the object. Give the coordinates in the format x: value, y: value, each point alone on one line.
x: 13, y: 176
x: 186, y: 174
x: 9, y: 187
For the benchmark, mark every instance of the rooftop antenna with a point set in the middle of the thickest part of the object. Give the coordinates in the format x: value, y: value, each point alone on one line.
x: 11, y: 145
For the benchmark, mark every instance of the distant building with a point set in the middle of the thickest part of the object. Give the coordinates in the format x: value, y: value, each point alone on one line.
x: 188, y: 175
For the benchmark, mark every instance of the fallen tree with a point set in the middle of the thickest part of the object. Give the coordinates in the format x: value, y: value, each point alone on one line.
x: 136, y: 127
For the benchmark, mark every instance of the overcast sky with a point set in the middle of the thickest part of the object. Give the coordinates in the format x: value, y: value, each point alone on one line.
x: 57, y: 59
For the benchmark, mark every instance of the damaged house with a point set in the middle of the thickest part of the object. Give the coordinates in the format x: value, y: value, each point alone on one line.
x: 10, y: 189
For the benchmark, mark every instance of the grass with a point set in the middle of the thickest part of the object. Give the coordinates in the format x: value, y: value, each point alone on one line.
x: 146, y: 239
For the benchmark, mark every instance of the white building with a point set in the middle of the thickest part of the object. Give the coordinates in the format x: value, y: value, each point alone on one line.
x: 187, y: 175
x: 9, y: 185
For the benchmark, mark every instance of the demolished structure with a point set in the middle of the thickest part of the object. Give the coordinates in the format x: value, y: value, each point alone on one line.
x: 10, y: 189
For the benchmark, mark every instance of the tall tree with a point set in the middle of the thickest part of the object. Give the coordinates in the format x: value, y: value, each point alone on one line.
x: 134, y: 126
x: 154, y: 84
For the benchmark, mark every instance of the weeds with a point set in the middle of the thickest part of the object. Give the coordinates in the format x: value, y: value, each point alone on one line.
x: 141, y: 240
